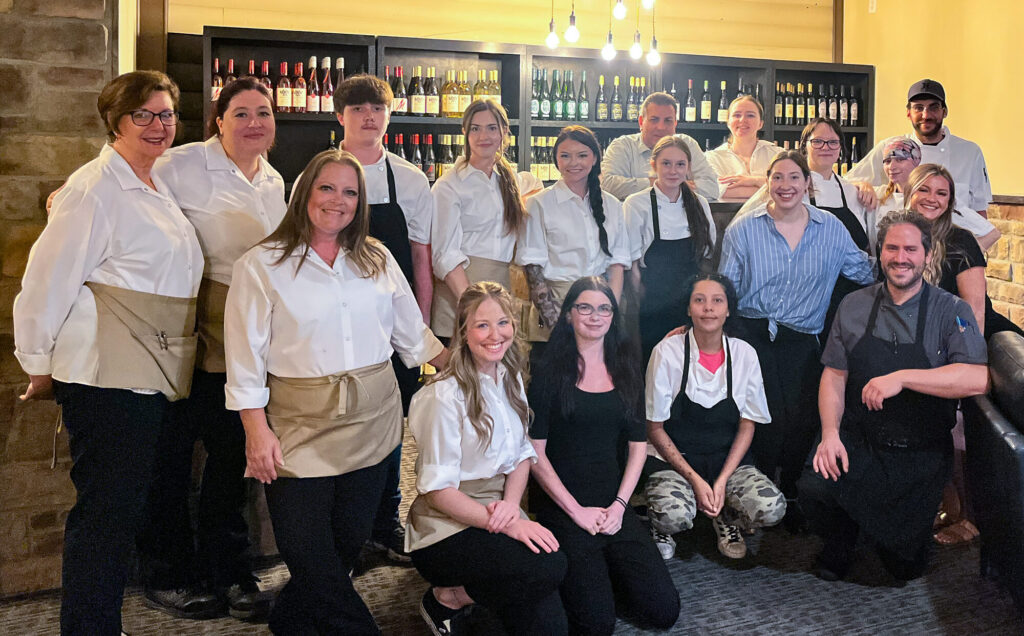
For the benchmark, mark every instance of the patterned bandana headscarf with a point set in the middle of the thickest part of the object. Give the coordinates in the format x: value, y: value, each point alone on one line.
x: 902, y: 148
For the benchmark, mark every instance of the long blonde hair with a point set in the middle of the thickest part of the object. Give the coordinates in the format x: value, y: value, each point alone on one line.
x: 296, y: 230
x: 515, y: 212
x: 943, y: 225
x: 463, y: 368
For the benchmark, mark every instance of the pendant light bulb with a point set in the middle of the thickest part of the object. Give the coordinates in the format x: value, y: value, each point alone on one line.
x: 636, y: 51
x: 552, y: 39
x: 572, y: 34
x: 620, y: 10
x: 647, y: 4
x: 608, y: 51
x: 653, y: 57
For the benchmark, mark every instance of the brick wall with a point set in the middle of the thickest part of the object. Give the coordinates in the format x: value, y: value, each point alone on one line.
x: 1005, y: 271
x: 55, y: 55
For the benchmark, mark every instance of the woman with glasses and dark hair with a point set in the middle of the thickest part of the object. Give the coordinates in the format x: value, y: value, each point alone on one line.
x: 573, y: 229
x: 705, y: 394
x: 105, y: 322
x: 587, y: 398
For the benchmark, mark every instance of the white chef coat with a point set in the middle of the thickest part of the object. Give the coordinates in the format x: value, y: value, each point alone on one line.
x: 561, y: 236
x: 961, y: 157
x: 665, y: 377
x: 450, y: 450
x: 469, y: 219
x: 671, y: 220
x: 626, y: 167
x: 318, y: 321
x: 726, y: 163
x: 230, y: 213
x: 108, y: 227
x: 969, y: 220
x: 413, y: 192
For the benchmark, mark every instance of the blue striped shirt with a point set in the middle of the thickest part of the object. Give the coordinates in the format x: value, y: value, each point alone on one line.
x: 790, y: 287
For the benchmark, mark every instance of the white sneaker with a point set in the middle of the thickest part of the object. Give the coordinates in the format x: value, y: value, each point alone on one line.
x: 665, y: 543
x: 730, y: 540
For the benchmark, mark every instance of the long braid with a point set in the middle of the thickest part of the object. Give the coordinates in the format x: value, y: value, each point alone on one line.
x: 597, y: 208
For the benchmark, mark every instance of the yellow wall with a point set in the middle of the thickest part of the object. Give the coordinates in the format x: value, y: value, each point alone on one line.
x: 127, y: 29
x: 972, y: 48
x: 781, y: 29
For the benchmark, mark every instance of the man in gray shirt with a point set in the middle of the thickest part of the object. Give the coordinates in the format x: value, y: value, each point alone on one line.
x: 898, y: 357
x: 626, y: 167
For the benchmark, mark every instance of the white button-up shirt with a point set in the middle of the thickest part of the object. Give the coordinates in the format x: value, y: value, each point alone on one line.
x: 413, y: 192
x: 969, y: 220
x: 561, y: 235
x: 665, y: 377
x: 672, y: 220
x: 726, y: 163
x: 469, y: 219
x: 961, y: 157
x: 108, y: 227
x: 450, y: 450
x: 318, y: 321
x: 230, y: 213
x: 626, y: 167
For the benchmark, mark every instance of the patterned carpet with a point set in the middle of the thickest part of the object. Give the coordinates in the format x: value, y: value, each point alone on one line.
x: 772, y: 591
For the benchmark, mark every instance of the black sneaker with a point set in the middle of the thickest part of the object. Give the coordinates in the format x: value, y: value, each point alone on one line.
x: 442, y: 621
x: 393, y: 545
x: 189, y: 603
x: 246, y: 601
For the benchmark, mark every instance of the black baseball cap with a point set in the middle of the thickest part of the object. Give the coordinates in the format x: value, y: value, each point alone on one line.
x: 927, y: 88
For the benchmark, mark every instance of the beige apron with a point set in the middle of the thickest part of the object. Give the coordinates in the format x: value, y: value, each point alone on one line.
x: 146, y: 341
x: 442, y: 311
x: 210, y: 318
x: 426, y: 525
x: 335, y: 424
x: 534, y: 330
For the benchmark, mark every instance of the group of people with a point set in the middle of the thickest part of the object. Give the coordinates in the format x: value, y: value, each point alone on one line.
x: 165, y: 276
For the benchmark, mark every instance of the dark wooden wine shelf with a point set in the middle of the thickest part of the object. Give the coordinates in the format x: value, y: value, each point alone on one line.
x: 434, y: 121
x: 630, y: 126
x: 310, y: 117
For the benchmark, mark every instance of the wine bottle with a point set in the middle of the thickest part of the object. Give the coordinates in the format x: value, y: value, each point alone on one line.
x: 333, y: 144
x: 822, y: 102
x: 801, y: 105
x: 557, y: 100
x: 789, y: 117
x: 705, y: 104
x: 691, y: 102
x: 465, y: 93
x: 844, y: 108
x: 632, y: 106
x: 616, y: 102
x: 722, y: 116
x: 417, y: 98
x: 545, y: 97
x: 339, y: 71
x: 399, y: 145
x: 495, y: 85
x: 779, y: 97
x: 429, y: 167
x: 553, y: 174
x: 569, y: 95
x: 284, y: 90
x: 312, y: 88
x: 583, y: 100
x: 230, y: 77
x: 854, y: 153
x: 445, y: 153
x: 298, y: 90
x: 216, y: 81
x: 854, y: 109
x: 265, y: 77
x: 812, y: 103
x: 643, y: 89
x: 534, y: 97
x: 601, y: 101
x: 433, y: 99
x: 460, y: 140
x: 534, y: 164
x: 450, y: 97
x: 400, y: 103
x: 833, y: 104
x: 672, y: 92
x: 252, y: 69
x: 326, y: 87
x: 415, y: 155
x: 544, y: 167
x: 512, y: 151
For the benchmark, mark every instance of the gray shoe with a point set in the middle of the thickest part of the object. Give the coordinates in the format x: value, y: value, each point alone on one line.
x: 665, y: 543
x: 188, y: 603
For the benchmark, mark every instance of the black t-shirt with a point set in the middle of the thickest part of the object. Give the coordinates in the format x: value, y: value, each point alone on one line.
x: 962, y: 253
x: 585, y: 448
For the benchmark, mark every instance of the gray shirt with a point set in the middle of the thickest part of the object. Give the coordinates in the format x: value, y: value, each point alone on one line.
x: 950, y: 332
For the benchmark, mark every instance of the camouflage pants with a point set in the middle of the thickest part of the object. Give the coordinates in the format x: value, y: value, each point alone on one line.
x: 751, y: 501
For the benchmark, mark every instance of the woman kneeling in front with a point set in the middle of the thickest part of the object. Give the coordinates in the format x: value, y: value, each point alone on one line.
x: 466, y: 532
x: 704, y: 394
x: 588, y: 399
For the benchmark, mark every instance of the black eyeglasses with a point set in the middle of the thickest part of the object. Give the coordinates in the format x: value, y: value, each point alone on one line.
x: 143, y: 117
x: 818, y: 144
x: 584, y: 309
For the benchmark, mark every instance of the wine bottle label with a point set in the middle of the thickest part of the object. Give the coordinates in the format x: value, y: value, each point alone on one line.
x: 616, y: 112
x: 559, y: 109
x: 544, y: 172
x: 800, y: 111
x: 545, y: 109
x: 312, y: 103
x: 215, y: 92
x: 602, y: 112
x: 632, y: 111
x: 430, y: 170
x: 833, y: 110
x: 570, y: 110
x: 284, y: 97
x: 534, y: 108
x: 400, y: 105
x: 789, y: 111
x: 464, y: 102
x: 723, y: 115
x: 298, y: 98
x: 327, y: 103
x: 535, y: 170
x: 419, y: 105
x: 705, y: 111
x: 691, y: 113
x: 584, y: 111
x: 844, y: 111
x: 854, y: 114
x: 811, y: 112
x: 778, y: 111
x: 450, y: 104
x: 433, y: 105
x: 554, y: 174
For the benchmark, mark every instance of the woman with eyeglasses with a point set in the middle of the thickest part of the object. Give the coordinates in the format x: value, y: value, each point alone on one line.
x: 105, y: 322
x: 587, y: 399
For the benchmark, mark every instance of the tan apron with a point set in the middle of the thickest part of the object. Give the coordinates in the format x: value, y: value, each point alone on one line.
x: 534, y: 330
x: 442, y: 311
x: 335, y: 424
x: 426, y: 525
x: 146, y: 341
x: 210, y: 318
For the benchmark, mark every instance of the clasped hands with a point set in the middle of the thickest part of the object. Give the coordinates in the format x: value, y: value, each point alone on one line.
x: 597, y: 520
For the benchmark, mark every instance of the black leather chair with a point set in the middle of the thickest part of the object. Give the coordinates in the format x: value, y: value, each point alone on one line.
x: 994, y: 463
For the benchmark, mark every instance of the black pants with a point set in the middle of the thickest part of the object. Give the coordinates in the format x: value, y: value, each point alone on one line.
x: 168, y: 543
x: 113, y: 436
x: 386, y: 519
x: 602, y: 568
x: 320, y: 524
x: 791, y: 368
x: 501, y: 574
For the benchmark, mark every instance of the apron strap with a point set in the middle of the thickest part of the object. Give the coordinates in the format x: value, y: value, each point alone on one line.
x: 922, y: 314
x: 728, y: 368
x: 686, y: 364
x: 654, y: 218
x: 392, y: 194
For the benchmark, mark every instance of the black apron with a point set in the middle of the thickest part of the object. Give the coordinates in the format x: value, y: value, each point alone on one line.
x: 387, y: 225
x: 704, y: 435
x: 901, y: 456
x: 843, y: 285
x: 669, y: 264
